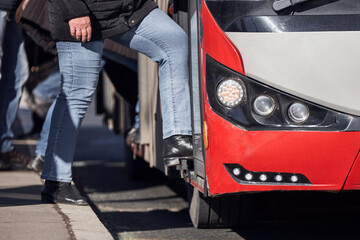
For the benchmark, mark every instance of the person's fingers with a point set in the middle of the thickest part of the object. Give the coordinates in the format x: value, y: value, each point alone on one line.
x: 73, y: 32
x: 83, y: 35
x: 89, y: 33
x: 78, y: 34
x: 80, y: 28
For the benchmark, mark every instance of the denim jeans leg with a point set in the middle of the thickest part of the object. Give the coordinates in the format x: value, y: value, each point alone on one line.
x: 14, y: 73
x: 48, y: 89
x: 43, y: 140
x: 79, y: 67
x: 161, y: 39
x: 44, y: 134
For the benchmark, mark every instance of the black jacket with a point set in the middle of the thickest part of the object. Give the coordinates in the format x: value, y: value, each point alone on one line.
x: 108, y: 17
x: 9, y: 5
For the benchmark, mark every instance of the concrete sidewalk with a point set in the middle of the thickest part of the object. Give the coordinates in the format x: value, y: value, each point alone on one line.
x: 23, y: 216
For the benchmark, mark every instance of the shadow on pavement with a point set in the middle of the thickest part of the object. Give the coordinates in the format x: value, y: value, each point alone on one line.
x: 117, y: 199
x: 145, y: 221
x: 303, y: 215
x: 20, y: 196
x: 113, y: 176
x: 279, y: 232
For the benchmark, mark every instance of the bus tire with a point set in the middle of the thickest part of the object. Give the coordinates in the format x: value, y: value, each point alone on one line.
x: 218, y: 212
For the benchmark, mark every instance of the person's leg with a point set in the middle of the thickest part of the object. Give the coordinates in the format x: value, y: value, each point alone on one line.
x: 160, y: 38
x: 37, y: 162
x: 46, y: 91
x: 42, y: 142
x: 79, y: 67
x: 4, y: 163
x: 133, y: 136
x: 14, y: 73
x: 40, y: 100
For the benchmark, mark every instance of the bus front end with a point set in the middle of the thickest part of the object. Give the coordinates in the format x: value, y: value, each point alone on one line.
x: 279, y: 96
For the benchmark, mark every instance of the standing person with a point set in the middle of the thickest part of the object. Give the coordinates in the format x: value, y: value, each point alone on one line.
x: 79, y: 26
x: 46, y: 91
x: 13, y: 74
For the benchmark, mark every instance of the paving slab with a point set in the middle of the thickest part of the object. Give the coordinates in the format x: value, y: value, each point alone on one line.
x: 23, y: 216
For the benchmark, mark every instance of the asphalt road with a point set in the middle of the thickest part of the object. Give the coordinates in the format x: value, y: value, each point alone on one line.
x: 150, y: 206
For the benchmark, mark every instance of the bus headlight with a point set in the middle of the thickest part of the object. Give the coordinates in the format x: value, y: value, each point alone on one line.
x: 252, y: 105
x: 230, y: 93
x: 298, y: 112
x: 264, y: 105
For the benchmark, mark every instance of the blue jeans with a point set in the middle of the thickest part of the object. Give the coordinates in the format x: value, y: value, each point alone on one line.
x: 48, y: 89
x: 44, y: 134
x: 14, y: 73
x: 158, y: 37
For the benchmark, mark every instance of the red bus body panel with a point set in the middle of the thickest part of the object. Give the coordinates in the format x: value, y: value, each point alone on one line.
x: 353, y: 180
x: 327, y: 159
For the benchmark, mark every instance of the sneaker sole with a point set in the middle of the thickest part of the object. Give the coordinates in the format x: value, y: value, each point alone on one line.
x: 47, y: 199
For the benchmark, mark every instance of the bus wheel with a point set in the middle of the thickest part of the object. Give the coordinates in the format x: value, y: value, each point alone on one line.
x: 218, y: 212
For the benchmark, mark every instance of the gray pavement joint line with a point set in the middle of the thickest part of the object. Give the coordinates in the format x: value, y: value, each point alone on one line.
x: 66, y: 221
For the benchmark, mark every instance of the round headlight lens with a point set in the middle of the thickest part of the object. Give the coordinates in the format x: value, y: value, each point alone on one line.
x: 298, y: 112
x: 230, y: 93
x: 264, y: 105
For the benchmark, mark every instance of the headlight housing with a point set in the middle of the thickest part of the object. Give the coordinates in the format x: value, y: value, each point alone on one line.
x: 255, y: 106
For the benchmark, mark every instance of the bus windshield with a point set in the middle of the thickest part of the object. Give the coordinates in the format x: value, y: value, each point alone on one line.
x: 282, y: 4
x: 254, y: 15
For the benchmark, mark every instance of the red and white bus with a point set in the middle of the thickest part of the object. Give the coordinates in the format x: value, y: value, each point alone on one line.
x: 275, y: 101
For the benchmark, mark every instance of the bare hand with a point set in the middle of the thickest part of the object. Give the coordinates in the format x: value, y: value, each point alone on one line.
x: 80, y: 28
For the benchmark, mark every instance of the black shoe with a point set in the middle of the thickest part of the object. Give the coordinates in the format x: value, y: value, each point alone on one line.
x: 175, y: 148
x: 13, y: 160
x: 61, y: 192
x: 37, y: 163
